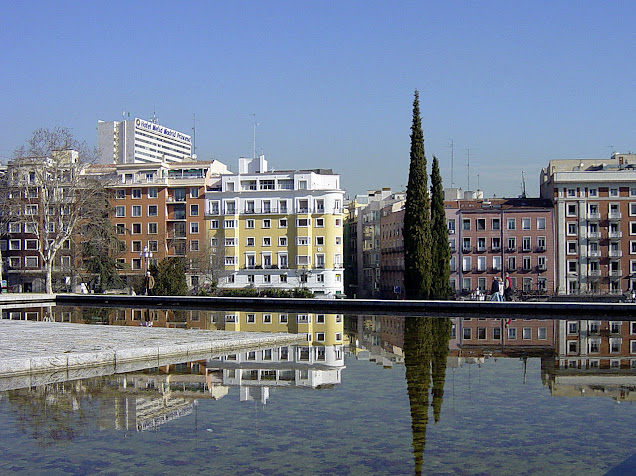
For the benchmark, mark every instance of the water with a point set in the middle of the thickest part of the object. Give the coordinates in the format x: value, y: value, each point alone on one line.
x: 379, y: 402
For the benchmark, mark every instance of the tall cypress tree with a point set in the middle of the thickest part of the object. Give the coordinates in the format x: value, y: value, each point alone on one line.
x: 417, y: 226
x: 440, y: 288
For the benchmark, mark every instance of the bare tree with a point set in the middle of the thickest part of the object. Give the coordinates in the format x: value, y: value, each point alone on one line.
x: 209, y: 262
x: 54, y: 196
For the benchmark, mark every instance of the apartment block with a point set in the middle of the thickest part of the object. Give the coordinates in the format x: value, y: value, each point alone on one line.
x: 159, y: 212
x: 277, y: 229
x: 595, y: 223
x: 493, y: 237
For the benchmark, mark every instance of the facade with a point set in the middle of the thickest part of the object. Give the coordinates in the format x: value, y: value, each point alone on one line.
x: 277, y: 230
x: 139, y: 141
x: 495, y: 237
x: 159, y: 212
x: 595, y: 223
x: 392, y: 251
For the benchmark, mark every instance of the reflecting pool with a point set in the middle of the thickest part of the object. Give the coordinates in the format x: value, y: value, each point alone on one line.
x: 364, y: 395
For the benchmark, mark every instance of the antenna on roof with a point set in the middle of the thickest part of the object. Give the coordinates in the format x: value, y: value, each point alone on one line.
x: 194, y: 134
x: 254, y: 138
x: 451, y: 145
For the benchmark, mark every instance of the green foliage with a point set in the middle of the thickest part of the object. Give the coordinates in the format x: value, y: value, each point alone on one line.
x: 268, y: 292
x: 417, y: 226
x: 440, y: 265
x: 170, y: 278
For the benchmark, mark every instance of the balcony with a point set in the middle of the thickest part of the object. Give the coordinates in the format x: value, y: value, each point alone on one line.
x: 594, y: 234
x: 594, y: 272
x: 541, y: 267
x: 593, y: 216
x: 615, y: 253
x: 594, y: 254
x: 614, y: 215
x: 615, y: 272
x: 615, y: 234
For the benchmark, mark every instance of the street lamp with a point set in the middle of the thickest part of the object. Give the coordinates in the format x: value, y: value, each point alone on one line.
x: 145, y: 254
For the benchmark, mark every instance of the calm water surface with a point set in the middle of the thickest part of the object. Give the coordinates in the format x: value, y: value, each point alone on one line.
x: 394, y: 396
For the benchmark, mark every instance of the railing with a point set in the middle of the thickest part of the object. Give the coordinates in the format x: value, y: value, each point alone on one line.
x: 594, y: 216
x: 615, y: 253
x: 615, y: 272
x: 594, y: 234
x: 615, y: 234
x: 614, y: 215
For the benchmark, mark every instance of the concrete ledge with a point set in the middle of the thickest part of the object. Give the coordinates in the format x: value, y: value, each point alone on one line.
x: 28, y: 347
x: 538, y: 310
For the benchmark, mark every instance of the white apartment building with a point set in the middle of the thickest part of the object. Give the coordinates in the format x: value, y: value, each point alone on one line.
x: 595, y: 223
x: 281, y: 229
x: 138, y: 141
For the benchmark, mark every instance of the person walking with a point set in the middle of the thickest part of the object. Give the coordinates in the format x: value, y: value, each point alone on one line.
x: 508, y: 288
x: 494, y: 289
x: 500, y: 293
x: 149, y: 283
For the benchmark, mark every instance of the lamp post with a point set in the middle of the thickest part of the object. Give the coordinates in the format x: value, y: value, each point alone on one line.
x: 145, y: 254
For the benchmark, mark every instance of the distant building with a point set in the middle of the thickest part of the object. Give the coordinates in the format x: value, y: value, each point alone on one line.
x: 595, y: 223
x: 278, y: 229
x: 138, y: 141
x: 493, y: 237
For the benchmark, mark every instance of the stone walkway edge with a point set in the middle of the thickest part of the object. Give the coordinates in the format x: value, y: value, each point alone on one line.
x: 42, y: 347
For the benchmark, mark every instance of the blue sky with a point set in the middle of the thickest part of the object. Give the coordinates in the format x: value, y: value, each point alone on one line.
x: 331, y: 83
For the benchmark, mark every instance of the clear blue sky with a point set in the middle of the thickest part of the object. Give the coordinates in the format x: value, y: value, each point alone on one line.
x: 331, y: 83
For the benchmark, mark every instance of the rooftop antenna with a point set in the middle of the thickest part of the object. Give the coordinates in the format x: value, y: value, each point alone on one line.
x: 154, y: 115
x: 611, y: 147
x: 468, y: 168
x: 194, y: 134
x: 254, y: 138
x: 451, y: 145
x: 523, y: 184
x: 477, y: 181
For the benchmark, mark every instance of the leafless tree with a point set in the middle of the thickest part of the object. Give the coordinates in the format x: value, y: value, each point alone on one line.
x: 53, y: 195
x: 208, y: 262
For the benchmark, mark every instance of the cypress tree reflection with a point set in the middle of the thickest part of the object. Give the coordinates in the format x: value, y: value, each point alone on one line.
x: 441, y: 337
x: 425, y: 348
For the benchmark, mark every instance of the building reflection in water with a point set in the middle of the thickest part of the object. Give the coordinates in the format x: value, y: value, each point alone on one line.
x: 59, y: 412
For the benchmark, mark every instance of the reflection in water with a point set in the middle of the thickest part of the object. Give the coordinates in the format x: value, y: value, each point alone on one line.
x: 425, y: 353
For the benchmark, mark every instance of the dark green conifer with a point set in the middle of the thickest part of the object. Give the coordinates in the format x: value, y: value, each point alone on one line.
x: 417, y: 226
x: 440, y: 266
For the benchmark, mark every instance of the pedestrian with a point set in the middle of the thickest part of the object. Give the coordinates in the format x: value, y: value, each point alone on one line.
x: 501, y: 291
x: 494, y: 289
x: 508, y: 288
x: 149, y: 283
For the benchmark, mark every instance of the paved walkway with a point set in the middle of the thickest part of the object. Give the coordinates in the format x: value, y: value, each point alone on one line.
x: 28, y: 347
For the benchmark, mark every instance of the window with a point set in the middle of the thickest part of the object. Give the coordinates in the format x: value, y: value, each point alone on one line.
x: 194, y: 227
x: 267, y: 318
x: 282, y: 241
x: 613, y: 192
x: 302, y: 240
x: 152, y: 210
x: 467, y: 331
x: 527, y: 333
x: 152, y: 228
x: 250, y: 278
x: 214, y: 224
x: 481, y: 244
x: 592, y: 192
x: 525, y: 223
x: 249, y: 241
x: 337, y: 222
x: 31, y: 244
x: 481, y: 333
x: 571, y: 247
x: 512, y: 244
x: 136, y: 228
x: 194, y: 210
x: 480, y: 224
x: 136, y: 193
x: 229, y: 242
x: 571, y: 209
x: 571, y: 192
x: 230, y: 261
x: 194, y: 245
x: 466, y: 245
x: 526, y: 263
x: 496, y: 333
x: 282, y: 318
x: 541, y: 243
x: 338, y: 241
x: 228, y: 224
x: 136, y: 210
x: 249, y: 223
x: 120, y: 211
x: 152, y: 193
x: 496, y: 224
x: 303, y: 260
x: 319, y: 222
x: 31, y: 262
x: 267, y: 223
x: 194, y: 192
x: 283, y: 278
x: 540, y: 223
x: 120, y: 229
x: 320, y: 241
x: 466, y: 263
x: 526, y: 243
x: 466, y: 224
x: 512, y: 224
x: 512, y: 333
x: 302, y: 222
x: 571, y: 228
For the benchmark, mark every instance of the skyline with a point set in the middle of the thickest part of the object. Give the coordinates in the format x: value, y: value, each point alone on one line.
x: 331, y: 86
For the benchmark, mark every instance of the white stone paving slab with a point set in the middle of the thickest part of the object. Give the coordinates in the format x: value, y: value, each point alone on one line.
x: 28, y: 347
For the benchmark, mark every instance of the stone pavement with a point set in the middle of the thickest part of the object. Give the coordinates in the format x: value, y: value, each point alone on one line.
x: 28, y: 347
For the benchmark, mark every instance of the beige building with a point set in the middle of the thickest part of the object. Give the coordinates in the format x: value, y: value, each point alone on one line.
x: 595, y: 223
